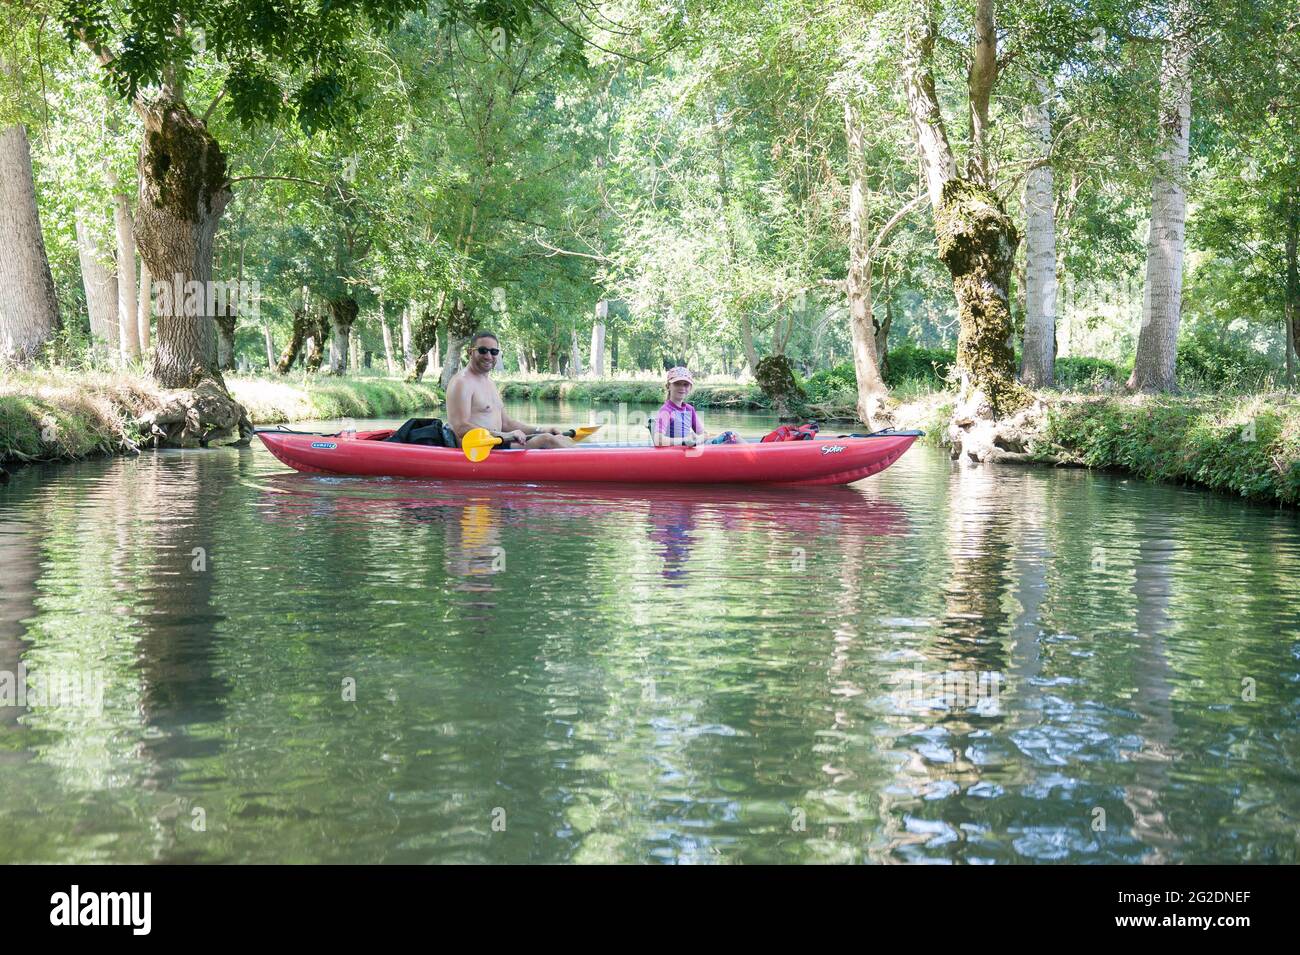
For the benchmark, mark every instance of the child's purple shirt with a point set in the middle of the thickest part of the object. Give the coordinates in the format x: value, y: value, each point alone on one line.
x: 677, y: 421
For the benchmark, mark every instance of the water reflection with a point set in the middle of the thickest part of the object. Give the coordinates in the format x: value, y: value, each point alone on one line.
x: 369, y: 669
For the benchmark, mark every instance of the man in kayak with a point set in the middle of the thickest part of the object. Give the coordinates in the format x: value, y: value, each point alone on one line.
x: 474, y: 402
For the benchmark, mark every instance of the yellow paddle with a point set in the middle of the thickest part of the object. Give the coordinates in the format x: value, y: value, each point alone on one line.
x: 478, y: 443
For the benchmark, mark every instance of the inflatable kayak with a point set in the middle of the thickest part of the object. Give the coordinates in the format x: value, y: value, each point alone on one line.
x: 822, y: 461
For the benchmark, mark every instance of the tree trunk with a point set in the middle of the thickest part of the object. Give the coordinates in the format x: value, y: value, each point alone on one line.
x: 866, y: 364
x: 389, y: 362
x: 408, y: 353
x: 460, y: 325
x: 1038, y: 359
x: 225, y: 323
x: 144, y: 312
x: 100, y: 284
x: 424, y: 336
x: 575, y: 366
x: 183, y: 192
x: 128, y: 297
x: 29, y: 312
x: 598, y: 344
x: 296, y: 340
x: 977, y: 240
x: 1292, y: 296
x: 270, y: 344
x: 747, y: 340
x: 882, y: 332
x: 343, y: 313
x: 319, y: 327
x: 1154, y: 365
x: 613, y: 350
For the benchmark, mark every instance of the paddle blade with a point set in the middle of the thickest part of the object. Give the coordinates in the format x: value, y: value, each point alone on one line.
x: 586, y: 431
x: 477, y: 444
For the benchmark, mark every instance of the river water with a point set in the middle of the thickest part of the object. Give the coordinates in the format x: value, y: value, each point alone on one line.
x: 224, y: 661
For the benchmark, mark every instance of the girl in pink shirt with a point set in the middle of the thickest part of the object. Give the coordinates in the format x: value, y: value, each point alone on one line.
x: 677, y: 422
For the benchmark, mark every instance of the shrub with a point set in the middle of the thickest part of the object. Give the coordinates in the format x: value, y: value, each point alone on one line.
x: 912, y: 363
x: 1084, y: 374
x: 1209, y: 363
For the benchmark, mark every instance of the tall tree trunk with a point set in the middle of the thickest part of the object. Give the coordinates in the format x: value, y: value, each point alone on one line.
x: 319, y: 328
x: 270, y: 344
x: 183, y: 192
x: 144, y: 313
x: 389, y: 362
x: 226, y: 338
x: 128, y: 298
x: 1038, y: 359
x: 424, y: 337
x: 613, y: 350
x: 100, y: 284
x: 1155, y: 364
x: 29, y: 312
x: 408, y: 351
x: 882, y: 331
x: 1292, y: 296
x: 343, y: 313
x: 866, y: 364
x: 977, y: 239
x: 598, y: 340
x: 296, y: 339
x: 575, y: 365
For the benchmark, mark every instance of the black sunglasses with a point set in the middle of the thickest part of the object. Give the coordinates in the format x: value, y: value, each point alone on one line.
x: 489, y: 351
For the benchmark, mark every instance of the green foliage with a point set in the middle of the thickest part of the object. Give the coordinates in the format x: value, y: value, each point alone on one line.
x: 1210, y: 363
x: 911, y: 363
x: 1078, y: 373
x: 1248, y: 447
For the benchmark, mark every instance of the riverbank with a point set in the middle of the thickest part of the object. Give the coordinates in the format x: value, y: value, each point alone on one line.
x: 63, y: 415
x: 1244, y: 445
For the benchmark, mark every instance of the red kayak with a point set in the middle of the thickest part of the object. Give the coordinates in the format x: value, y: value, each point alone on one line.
x: 822, y: 461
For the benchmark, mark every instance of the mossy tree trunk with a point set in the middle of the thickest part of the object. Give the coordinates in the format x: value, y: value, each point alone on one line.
x: 296, y: 338
x: 183, y: 192
x: 318, y: 327
x: 977, y: 240
x: 423, y: 338
x: 343, y: 313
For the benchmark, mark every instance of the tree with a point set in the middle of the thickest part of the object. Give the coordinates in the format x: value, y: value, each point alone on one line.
x: 29, y: 313
x: 279, y: 61
x: 1157, y: 347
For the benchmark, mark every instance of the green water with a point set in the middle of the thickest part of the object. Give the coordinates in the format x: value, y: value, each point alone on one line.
x: 548, y: 674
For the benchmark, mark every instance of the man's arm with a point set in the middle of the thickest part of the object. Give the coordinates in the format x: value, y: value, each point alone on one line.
x: 458, y: 406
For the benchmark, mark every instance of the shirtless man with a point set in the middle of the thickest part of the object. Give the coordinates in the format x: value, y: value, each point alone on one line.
x: 474, y: 402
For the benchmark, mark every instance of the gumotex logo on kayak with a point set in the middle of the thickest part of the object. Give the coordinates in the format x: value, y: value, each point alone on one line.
x: 327, y: 445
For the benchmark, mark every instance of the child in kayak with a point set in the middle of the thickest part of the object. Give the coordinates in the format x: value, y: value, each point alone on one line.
x: 677, y: 423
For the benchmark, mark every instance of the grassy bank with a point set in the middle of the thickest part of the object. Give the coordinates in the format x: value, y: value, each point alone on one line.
x: 1243, y: 445
x: 48, y: 415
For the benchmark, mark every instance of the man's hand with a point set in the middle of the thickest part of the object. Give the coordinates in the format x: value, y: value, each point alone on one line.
x: 518, y: 437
